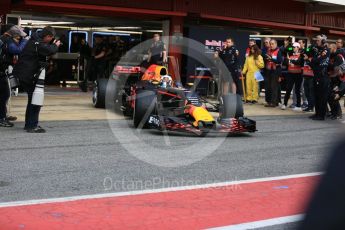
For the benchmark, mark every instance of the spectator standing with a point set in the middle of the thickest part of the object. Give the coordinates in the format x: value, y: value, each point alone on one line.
x: 254, y: 62
x: 286, y: 51
x: 304, y: 106
x: 336, y: 59
x: 273, y: 67
x: 265, y: 49
x: 308, y: 85
x: 294, y: 77
x: 341, y: 49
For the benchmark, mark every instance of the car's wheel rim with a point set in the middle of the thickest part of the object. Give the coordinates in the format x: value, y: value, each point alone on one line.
x: 94, y: 97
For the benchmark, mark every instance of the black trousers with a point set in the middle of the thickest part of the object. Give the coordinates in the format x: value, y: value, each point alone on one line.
x: 293, y: 80
x: 309, y: 91
x: 268, y: 95
x: 273, y: 85
x: 4, y: 96
x: 321, y: 85
x: 236, y: 78
x: 32, y: 111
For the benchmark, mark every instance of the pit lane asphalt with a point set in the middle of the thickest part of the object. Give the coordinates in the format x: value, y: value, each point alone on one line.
x: 84, y: 157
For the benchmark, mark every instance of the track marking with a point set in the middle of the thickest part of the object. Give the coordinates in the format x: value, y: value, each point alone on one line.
x: 263, y: 223
x: 140, y: 192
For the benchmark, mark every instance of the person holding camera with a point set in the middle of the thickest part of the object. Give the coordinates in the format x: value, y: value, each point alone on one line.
x: 319, y: 63
x: 308, y: 79
x: 14, y: 48
x: 41, y: 45
x: 294, y: 78
x: 12, y: 43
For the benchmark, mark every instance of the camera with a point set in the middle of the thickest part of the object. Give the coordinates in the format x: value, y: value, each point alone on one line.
x: 289, y: 49
x: 311, y: 51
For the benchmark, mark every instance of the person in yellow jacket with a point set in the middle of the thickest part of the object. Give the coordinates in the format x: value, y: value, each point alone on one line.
x: 254, y: 62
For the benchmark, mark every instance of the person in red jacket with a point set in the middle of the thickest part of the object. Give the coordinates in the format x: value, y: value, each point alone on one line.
x: 273, y: 71
x: 295, y: 63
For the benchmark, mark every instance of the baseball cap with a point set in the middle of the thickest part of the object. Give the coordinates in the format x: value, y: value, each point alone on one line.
x: 16, y: 31
x: 296, y: 44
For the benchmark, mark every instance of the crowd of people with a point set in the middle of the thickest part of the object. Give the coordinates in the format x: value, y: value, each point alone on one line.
x: 313, y: 74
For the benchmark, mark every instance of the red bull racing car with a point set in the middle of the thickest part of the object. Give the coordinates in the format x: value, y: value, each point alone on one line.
x: 153, y: 101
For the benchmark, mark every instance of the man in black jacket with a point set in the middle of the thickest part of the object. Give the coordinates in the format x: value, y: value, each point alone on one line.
x: 36, y: 51
x: 231, y: 76
x: 319, y: 64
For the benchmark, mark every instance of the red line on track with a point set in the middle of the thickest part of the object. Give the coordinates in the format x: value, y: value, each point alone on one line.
x: 189, y: 209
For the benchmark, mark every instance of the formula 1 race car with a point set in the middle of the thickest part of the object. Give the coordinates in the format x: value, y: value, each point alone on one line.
x: 153, y: 101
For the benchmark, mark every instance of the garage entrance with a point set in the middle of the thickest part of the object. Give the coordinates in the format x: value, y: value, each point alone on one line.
x: 68, y: 68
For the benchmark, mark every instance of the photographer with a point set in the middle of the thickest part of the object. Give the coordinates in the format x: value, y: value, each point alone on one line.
x: 286, y: 51
x: 308, y: 79
x: 11, y: 45
x: 294, y: 78
x: 319, y: 63
x: 40, y: 45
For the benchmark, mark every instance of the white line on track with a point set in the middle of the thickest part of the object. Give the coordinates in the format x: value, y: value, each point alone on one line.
x: 140, y: 192
x: 263, y: 223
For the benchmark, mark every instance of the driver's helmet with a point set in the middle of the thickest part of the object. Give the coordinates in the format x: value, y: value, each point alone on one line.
x: 154, y: 73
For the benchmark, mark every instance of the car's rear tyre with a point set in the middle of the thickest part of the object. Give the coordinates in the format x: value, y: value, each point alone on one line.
x: 145, y: 105
x: 231, y: 106
x: 99, y: 93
